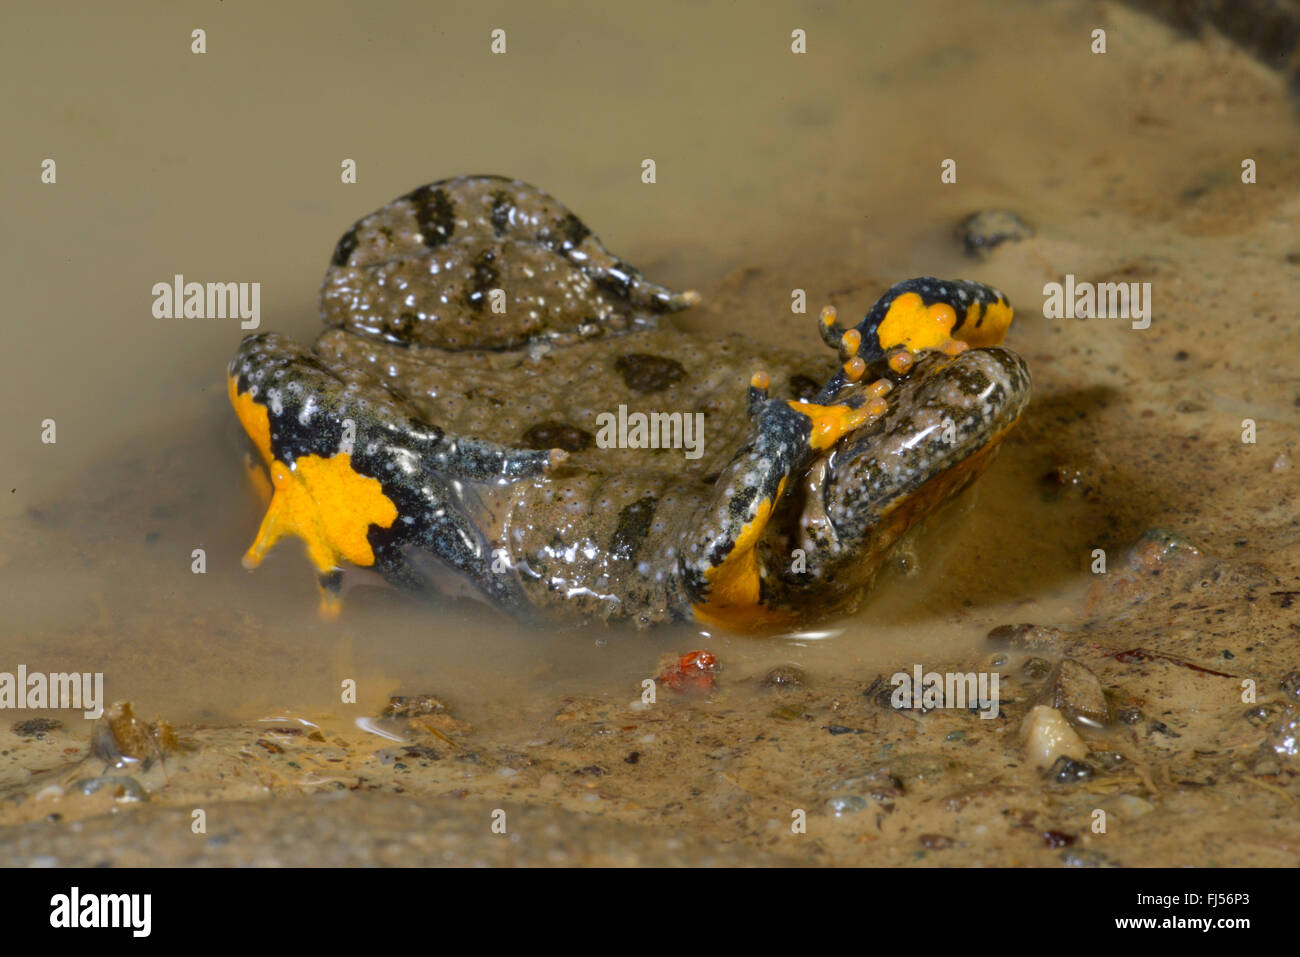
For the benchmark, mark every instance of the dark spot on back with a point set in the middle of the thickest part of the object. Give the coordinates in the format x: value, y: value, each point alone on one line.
x: 485, y: 277
x: 572, y: 230
x: 347, y: 242
x: 502, y: 205
x: 434, y: 215
x: 558, y: 435
x: 646, y: 373
x: 803, y: 387
x: 402, y: 326
x: 633, y: 526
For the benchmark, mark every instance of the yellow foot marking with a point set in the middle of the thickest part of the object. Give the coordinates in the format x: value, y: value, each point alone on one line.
x: 831, y: 422
x: 329, y: 505
x: 324, y: 501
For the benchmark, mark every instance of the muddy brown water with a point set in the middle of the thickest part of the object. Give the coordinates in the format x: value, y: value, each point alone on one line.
x: 775, y: 171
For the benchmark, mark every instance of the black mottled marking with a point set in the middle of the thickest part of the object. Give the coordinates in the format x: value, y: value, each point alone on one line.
x: 647, y: 373
x: 803, y: 387
x: 485, y: 277
x: 502, y: 205
x: 332, y: 581
x: 572, y: 230
x: 403, y: 326
x: 434, y: 214
x: 558, y: 435
x: 618, y: 279
x: 633, y: 526
x: 346, y: 244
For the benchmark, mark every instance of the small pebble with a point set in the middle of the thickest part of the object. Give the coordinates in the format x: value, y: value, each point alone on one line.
x: 843, y: 804
x: 989, y: 228
x: 1069, y: 771
x: 1055, y: 839
x: 1261, y: 714
x: 127, y: 790
x: 1036, y: 669
x: 785, y: 677
x: 1131, y: 715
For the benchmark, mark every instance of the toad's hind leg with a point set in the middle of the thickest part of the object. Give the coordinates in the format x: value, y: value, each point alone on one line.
x: 359, y: 477
x: 718, y: 565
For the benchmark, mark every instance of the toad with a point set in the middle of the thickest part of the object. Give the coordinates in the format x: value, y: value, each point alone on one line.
x: 454, y: 426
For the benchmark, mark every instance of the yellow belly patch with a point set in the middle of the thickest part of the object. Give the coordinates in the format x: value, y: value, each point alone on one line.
x: 733, y: 600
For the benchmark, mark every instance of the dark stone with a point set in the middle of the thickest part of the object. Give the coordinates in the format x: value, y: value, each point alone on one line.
x: 982, y: 231
x: 1066, y: 770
